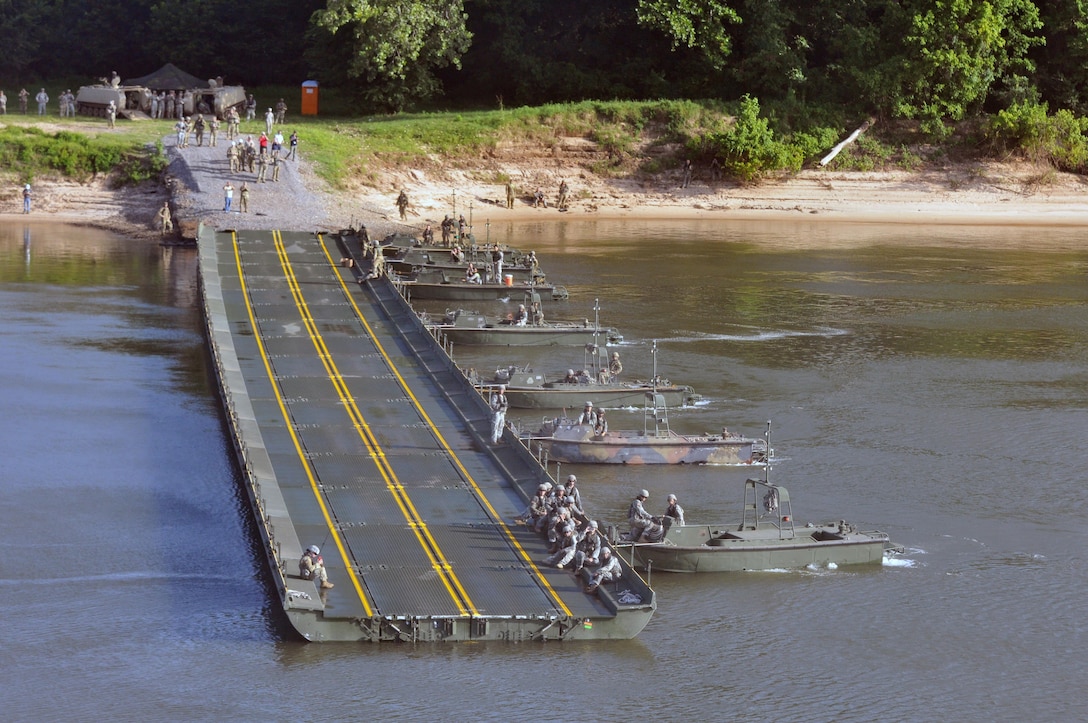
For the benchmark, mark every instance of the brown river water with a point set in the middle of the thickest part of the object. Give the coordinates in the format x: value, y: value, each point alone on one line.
x: 928, y: 381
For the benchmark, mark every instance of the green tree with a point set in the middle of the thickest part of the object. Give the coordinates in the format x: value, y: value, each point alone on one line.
x: 20, y: 38
x: 957, y: 50
x: 397, y: 44
x: 1062, y: 63
x: 701, y: 24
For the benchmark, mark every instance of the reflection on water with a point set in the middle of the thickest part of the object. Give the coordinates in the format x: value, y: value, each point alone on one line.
x: 930, y: 382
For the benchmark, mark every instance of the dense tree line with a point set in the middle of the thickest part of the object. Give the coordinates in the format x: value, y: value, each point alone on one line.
x: 931, y: 60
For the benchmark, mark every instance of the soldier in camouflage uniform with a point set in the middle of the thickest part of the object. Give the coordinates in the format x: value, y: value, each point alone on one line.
x: 262, y: 167
x: 609, y: 570
x: 567, y: 547
x: 245, y: 198
x: 276, y: 165
x: 281, y: 111
x: 588, y: 550
x: 213, y: 130
x: 164, y: 218
x: 232, y: 157
x: 639, y: 519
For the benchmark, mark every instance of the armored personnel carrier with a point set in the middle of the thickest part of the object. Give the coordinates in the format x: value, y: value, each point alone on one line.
x: 216, y: 100
x: 93, y: 99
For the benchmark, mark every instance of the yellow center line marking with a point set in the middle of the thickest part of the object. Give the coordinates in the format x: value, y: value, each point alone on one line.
x: 356, y: 583
x: 430, y: 546
x: 496, y: 517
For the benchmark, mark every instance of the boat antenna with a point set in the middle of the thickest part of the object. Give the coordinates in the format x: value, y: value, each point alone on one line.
x: 654, y: 379
x: 596, y: 320
x: 767, y: 453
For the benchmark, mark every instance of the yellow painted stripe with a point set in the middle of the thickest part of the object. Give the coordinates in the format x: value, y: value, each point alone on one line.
x: 416, y: 523
x: 356, y: 583
x: 495, y: 516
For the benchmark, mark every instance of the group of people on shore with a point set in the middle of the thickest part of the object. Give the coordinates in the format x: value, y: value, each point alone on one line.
x: 67, y: 106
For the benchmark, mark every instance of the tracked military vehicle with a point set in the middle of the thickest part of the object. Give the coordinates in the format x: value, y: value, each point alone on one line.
x: 216, y: 100
x: 94, y: 99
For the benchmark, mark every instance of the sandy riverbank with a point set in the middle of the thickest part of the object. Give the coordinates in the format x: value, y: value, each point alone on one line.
x: 978, y: 194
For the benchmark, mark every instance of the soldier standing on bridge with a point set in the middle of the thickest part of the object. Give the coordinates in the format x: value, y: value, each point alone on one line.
x: 499, y: 405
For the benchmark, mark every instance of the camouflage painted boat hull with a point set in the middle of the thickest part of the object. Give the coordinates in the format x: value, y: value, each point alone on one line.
x: 577, y: 444
x: 609, y: 396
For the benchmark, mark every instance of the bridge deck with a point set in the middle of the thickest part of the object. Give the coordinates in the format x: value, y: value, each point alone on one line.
x: 360, y: 436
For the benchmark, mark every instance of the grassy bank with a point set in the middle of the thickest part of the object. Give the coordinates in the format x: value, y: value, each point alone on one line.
x: 630, y: 137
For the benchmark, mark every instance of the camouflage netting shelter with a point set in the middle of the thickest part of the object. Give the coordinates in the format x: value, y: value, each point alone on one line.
x: 168, y: 77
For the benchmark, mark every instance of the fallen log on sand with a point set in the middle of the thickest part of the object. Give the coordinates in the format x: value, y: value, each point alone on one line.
x: 849, y: 139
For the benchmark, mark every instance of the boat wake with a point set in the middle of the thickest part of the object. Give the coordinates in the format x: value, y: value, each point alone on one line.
x: 119, y: 577
x: 755, y: 336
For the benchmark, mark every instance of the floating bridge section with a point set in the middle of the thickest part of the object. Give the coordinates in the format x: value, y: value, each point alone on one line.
x: 356, y: 432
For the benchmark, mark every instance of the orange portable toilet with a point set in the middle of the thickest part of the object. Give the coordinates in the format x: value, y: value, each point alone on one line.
x: 309, y: 97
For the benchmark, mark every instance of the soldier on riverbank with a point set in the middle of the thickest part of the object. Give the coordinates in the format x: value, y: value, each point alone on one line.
x: 402, y: 205
x: 164, y: 218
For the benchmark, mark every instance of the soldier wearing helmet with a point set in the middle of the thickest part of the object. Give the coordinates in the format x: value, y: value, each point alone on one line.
x: 575, y: 497
x: 312, y: 567
x: 588, y: 551
x: 674, y: 510
x: 565, y: 547
x: 608, y: 571
x: 638, y: 517
x: 588, y: 416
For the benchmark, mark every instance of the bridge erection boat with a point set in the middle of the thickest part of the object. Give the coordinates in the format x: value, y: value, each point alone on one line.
x: 475, y: 329
x: 766, y: 538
